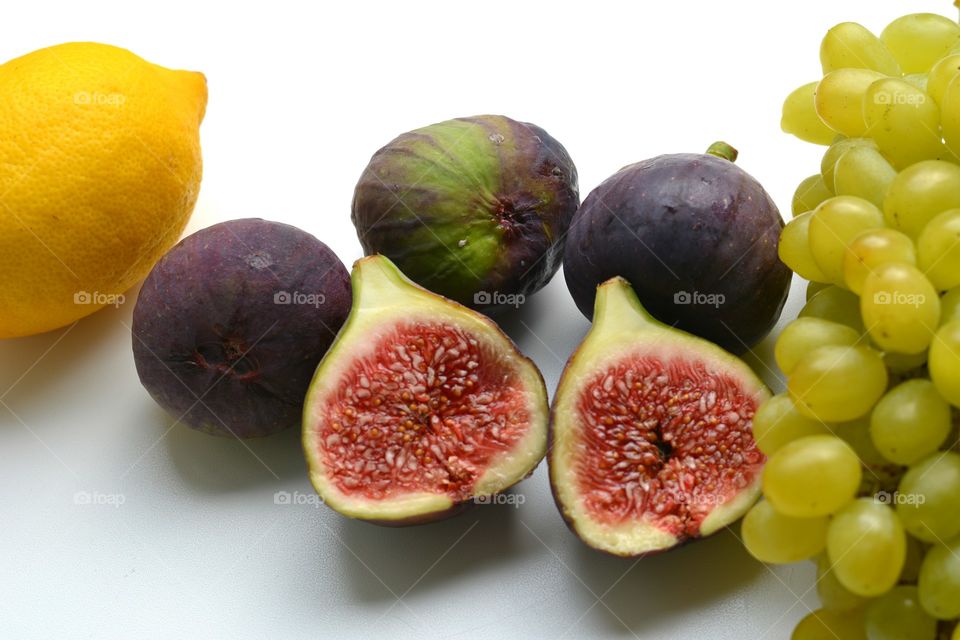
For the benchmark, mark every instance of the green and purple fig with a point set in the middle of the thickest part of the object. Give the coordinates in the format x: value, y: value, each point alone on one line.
x: 475, y: 209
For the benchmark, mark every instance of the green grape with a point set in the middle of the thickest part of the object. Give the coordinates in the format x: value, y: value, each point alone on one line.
x: 857, y: 434
x: 950, y: 306
x: 839, y: 99
x: 919, y: 193
x: 803, y: 335
x: 835, y: 223
x: 812, y: 476
x: 777, y: 422
x: 929, y: 497
x: 814, y: 287
x: 904, y: 362
x: 871, y: 249
x: 811, y: 192
x: 837, y: 305
x: 950, y: 115
x: 867, y: 546
x: 938, y: 250
x: 897, y: 615
x: 799, y: 116
x: 823, y: 624
x: 910, y: 422
x: 851, y: 45
x: 864, y: 173
x: 939, y: 581
x: 918, y: 40
x: 940, y: 76
x: 833, y: 154
x: 833, y: 595
x: 904, y: 121
x: 911, y: 565
x: 900, y: 308
x: 837, y: 384
x: 918, y: 80
x: 944, y: 361
x: 956, y: 633
x: 772, y: 537
x: 794, y: 248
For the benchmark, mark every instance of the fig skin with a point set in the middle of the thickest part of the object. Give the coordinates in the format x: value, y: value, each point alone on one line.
x: 683, y: 225
x: 470, y: 206
x: 225, y: 317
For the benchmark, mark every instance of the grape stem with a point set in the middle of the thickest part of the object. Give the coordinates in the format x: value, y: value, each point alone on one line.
x: 723, y: 150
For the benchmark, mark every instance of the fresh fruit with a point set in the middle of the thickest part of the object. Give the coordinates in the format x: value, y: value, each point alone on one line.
x: 772, y: 537
x: 697, y: 238
x: 929, y: 497
x: 892, y: 106
x: 810, y: 192
x: 900, y: 308
x: 918, y: 40
x: 812, y: 476
x: 837, y: 150
x: 850, y: 45
x: 651, y: 432
x: 938, y: 250
x: 231, y: 323
x: 897, y: 615
x: 837, y: 383
x: 944, y: 361
x: 420, y: 408
x: 833, y: 595
x: 834, y: 225
x: 99, y: 170
x: 941, y: 74
x: 823, y: 624
x: 475, y: 209
x: 839, y: 99
x: 863, y: 172
x: 800, y: 117
x: 872, y: 249
x: 778, y: 422
x: 836, y: 305
x: 950, y: 306
x: 919, y: 193
x: 939, y: 580
x: 910, y: 422
x: 867, y: 546
x: 794, y: 249
x: 803, y: 335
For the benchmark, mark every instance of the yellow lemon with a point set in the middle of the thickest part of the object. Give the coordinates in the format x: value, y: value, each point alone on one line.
x: 99, y: 171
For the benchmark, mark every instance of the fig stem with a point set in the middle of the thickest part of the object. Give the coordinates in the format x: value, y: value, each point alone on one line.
x: 617, y: 306
x: 723, y: 150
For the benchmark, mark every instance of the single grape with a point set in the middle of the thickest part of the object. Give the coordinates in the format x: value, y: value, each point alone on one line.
x: 834, y: 225
x: 799, y: 117
x: 812, y: 476
x: 794, y: 248
x: 950, y: 306
x: 867, y: 546
x: 900, y: 308
x: 919, y: 193
x: 897, y: 615
x: 803, y: 335
x: 837, y: 384
x: 851, y: 45
x: 833, y: 595
x: 772, y: 537
x: 904, y: 121
x: 940, y: 76
x: 910, y: 422
x: 814, y: 287
x: 839, y: 99
x: 823, y: 624
x: 777, y: 422
x: 939, y: 580
x: 944, y: 361
x: 864, y: 173
x: 929, y: 497
x: 918, y: 40
x: 833, y: 154
x: 811, y: 192
x: 873, y: 248
x: 837, y: 305
x: 938, y: 250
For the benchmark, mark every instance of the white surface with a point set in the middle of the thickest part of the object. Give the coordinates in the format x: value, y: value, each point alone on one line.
x: 300, y: 97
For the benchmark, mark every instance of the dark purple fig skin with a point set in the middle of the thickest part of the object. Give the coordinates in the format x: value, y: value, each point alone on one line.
x: 691, y: 223
x: 215, y: 340
x: 421, y: 202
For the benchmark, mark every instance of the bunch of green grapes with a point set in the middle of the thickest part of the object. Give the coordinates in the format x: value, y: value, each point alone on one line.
x: 863, y: 474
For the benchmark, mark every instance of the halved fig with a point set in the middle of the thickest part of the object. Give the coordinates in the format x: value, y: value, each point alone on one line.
x: 651, y: 440
x: 421, y: 407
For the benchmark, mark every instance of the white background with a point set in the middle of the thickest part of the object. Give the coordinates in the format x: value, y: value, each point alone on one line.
x: 300, y: 97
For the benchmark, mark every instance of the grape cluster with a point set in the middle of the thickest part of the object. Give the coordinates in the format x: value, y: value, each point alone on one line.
x: 863, y: 476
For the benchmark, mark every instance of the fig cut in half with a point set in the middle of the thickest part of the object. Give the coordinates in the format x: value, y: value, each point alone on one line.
x: 651, y: 439
x: 421, y: 407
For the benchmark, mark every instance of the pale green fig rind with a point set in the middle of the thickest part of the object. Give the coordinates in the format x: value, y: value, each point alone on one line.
x: 383, y: 296
x: 623, y: 327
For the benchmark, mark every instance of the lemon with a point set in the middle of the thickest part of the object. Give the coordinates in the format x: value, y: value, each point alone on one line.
x: 99, y: 171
